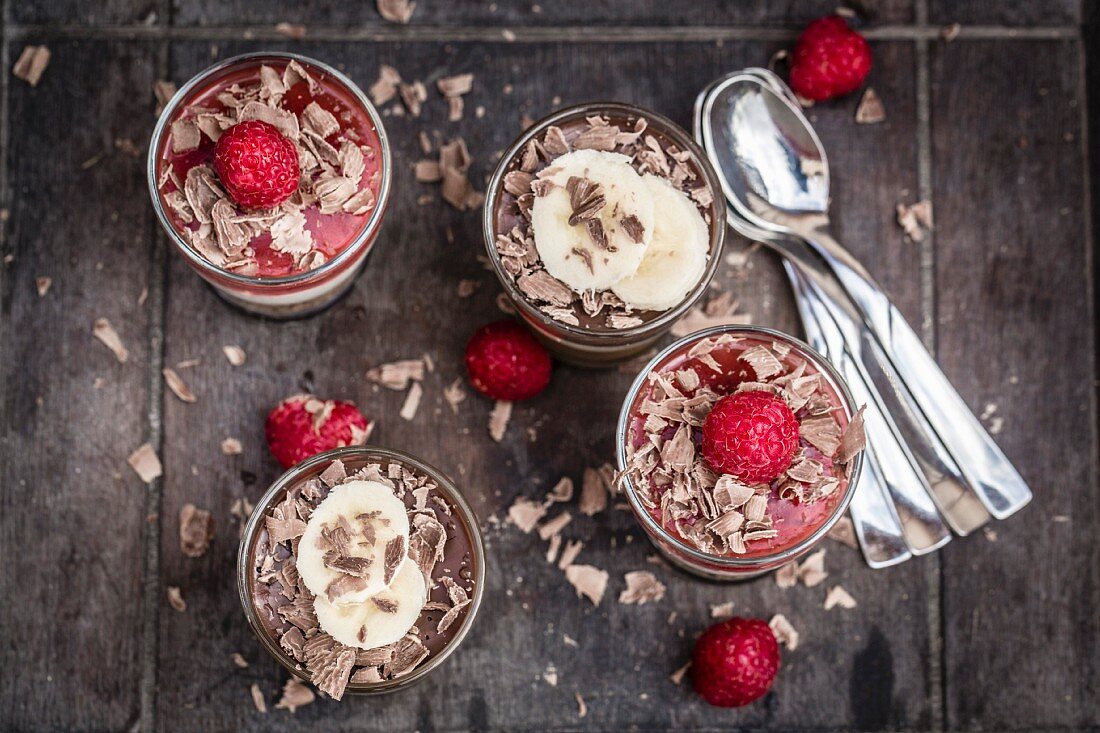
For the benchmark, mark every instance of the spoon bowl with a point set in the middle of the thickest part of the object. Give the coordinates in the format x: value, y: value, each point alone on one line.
x: 769, y: 157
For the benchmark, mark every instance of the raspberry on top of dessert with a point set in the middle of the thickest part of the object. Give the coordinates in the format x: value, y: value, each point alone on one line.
x: 738, y: 446
x: 271, y: 170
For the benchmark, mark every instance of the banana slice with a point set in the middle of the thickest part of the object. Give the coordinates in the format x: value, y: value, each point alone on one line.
x: 607, y: 239
x: 381, y: 620
x: 355, y: 542
x: 676, y: 258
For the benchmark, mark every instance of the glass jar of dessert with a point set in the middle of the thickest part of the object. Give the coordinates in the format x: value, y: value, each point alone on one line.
x: 604, y: 224
x: 361, y: 570
x: 739, y: 449
x: 270, y: 173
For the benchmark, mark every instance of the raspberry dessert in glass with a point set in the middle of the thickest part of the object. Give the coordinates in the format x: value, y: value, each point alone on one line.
x: 361, y: 570
x: 270, y: 173
x: 603, y: 225
x: 738, y: 449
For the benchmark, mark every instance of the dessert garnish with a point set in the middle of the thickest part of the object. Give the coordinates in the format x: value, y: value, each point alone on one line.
x: 609, y: 223
x: 505, y: 362
x: 829, y: 60
x: 347, y: 568
x: 257, y: 165
x: 739, y: 446
x: 735, y: 662
x: 302, y: 426
x: 751, y: 436
x: 269, y: 178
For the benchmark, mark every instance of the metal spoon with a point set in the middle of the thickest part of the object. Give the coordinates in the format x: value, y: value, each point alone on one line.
x: 957, y: 502
x: 775, y: 174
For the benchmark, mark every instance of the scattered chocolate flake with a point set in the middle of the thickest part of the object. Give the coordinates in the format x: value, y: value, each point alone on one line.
x: 837, y: 596
x: 915, y: 219
x: 175, y: 598
x: 677, y: 677
x: 588, y: 581
x: 853, y: 439
x: 719, y: 311
x: 787, y: 575
x: 844, y: 532
x: 397, y: 375
x: 594, y: 492
x: 177, y: 385
x: 526, y: 513
x: 950, y: 32
x: 231, y: 447
x: 870, y: 110
x: 427, y: 171
x: 541, y: 286
x: 42, y: 284
x: 145, y: 463
x: 258, y: 698
x: 582, y: 708
x: 569, y: 553
x: 812, y: 570
x: 396, y: 11
x: 721, y: 610
x: 498, y: 419
x: 642, y: 587
x: 562, y: 491
x: 412, y: 401
x: 413, y: 96
x: 454, y: 166
x: 764, y: 363
x: 239, y: 660
x: 295, y: 695
x: 784, y: 632
x: 454, y: 394
x: 455, y: 86
x: 385, y: 88
x: 291, y: 30
x: 555, y: 525
x: 105, y: 332
x: 163, y: 91
x: 196, y: 530
x: 31, y: 64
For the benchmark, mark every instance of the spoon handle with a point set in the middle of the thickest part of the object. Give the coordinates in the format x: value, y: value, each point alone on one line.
x: 910, y: 491
x: 982, y: 463
x: 874, y: 516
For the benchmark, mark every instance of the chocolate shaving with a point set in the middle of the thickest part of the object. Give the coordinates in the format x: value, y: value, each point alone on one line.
x: 870, y: 111
x: 596, y: 232
x: 31, y: 64
x: 588, y: 581
x: 175, y: 598
x: 586, y: 199
x: 642, y: 587
x: 145, y: 463
x: 105, y: 332
x: 396, y: 11
x: 295, y: 695
x: 196, y: 530
x: 394, y: 555
x: 633, y: 228
x: 385, y: 604
x: 176, y: 384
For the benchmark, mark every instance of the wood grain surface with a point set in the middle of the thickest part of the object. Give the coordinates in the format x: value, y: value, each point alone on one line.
x: 994, y: 632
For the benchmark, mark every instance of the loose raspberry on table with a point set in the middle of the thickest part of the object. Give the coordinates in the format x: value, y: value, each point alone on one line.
x: 302, y: 426
x: 735, y: 662
x: 829, y: 60
x: 257, y: 165
x: 505, y: 362
x: 752, y: 436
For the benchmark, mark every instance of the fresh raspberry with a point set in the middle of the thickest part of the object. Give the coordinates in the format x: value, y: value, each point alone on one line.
x: 735, y: 662
x: 750, y: 435
x: 829, y: 60
x: 303, y: 426
x: 256, y: 164
x: 505, y: 362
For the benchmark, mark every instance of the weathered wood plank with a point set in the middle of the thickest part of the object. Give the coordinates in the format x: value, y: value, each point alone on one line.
x: 854, y: 670
x: 101, y: 12
x: 72, y: 512
x: 1023, y: 13
x: 520, y: 13
x: 1016, y: 336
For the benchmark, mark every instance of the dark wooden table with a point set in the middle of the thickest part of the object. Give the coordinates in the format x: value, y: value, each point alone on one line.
x: 995, y: 632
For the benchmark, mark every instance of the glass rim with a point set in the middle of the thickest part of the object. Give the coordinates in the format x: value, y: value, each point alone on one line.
x: 370, y: 227
x: 282, y: 484
x: 654, y: 528
x: 717, y: 224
